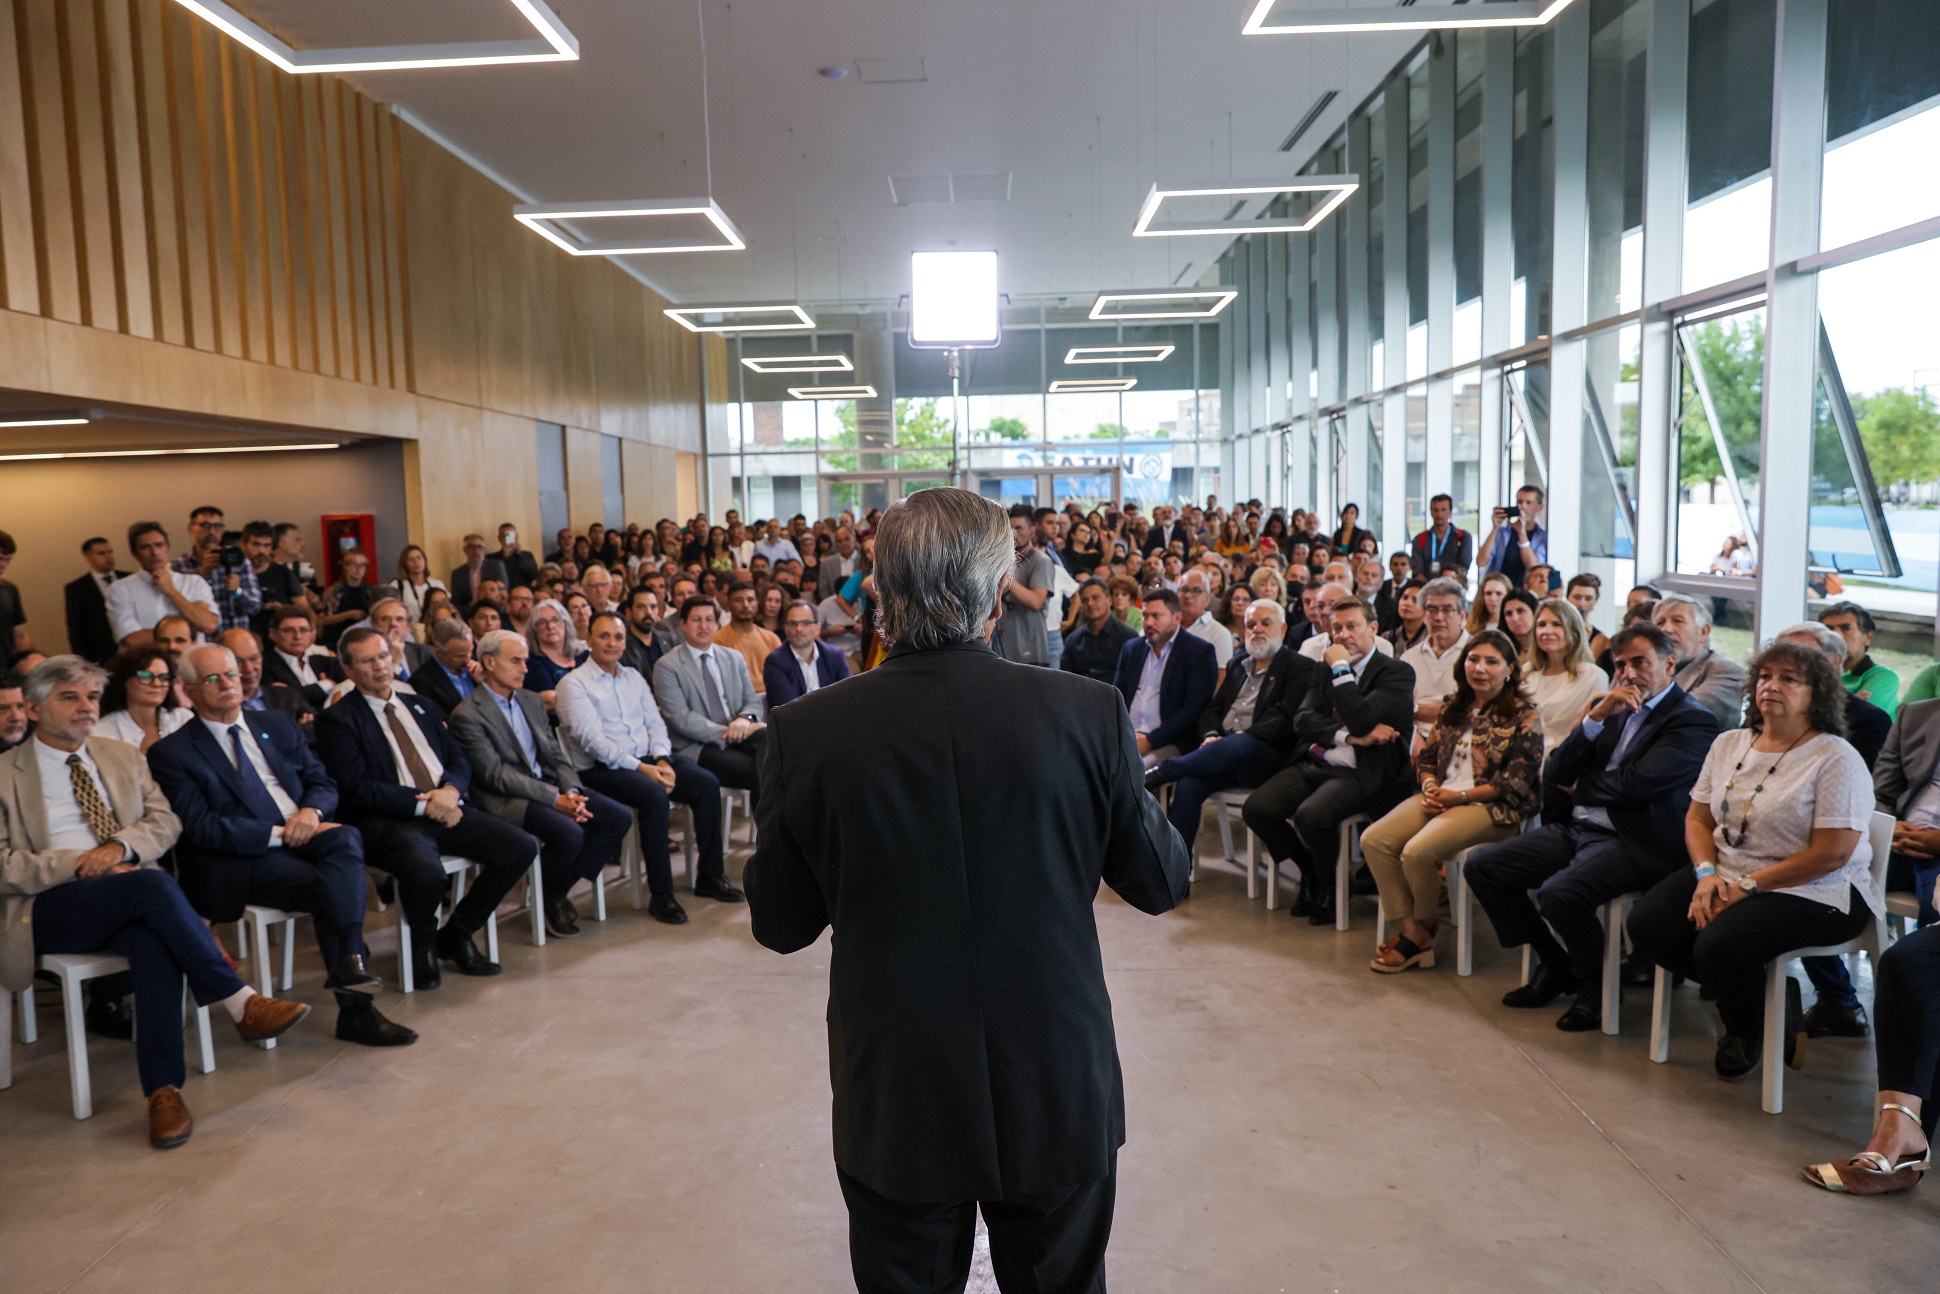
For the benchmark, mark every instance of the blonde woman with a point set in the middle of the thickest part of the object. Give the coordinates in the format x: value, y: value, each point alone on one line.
x: 1487, y: 611
x: 1266, y: 583
x: 1560, y: 674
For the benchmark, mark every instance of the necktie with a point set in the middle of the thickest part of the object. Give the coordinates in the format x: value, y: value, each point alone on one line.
x: 101, y: 820
x: 711, y: 685
x: 1630, y: 726
x: 255, y: 794
x: 413, y: 762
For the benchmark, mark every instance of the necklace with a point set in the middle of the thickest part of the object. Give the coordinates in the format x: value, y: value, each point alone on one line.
x: 1724, y: 800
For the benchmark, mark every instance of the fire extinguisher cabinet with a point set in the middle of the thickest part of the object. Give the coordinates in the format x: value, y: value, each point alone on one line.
x: 343, y: 531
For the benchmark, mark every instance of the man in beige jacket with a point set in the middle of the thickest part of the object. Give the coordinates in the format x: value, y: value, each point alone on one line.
x: 81, y: 825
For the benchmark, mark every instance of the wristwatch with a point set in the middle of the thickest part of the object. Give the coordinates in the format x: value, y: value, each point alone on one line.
x: 1748, y: 885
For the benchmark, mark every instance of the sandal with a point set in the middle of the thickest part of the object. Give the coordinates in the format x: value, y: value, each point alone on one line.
x: 1412, y: 957
x: 1872, y: 1164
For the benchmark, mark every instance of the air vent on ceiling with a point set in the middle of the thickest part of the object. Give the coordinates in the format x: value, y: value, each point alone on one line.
x: 909, y: 190
x: 890, y: 71
x: 992, y: 186
x: 1307, y: 122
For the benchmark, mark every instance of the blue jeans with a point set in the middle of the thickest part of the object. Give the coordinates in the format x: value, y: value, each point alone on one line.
x: 1239, y: 760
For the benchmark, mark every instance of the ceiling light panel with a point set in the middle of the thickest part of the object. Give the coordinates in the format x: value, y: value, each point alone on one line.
x: 1283, y: 18
x: 1078, y: 385
x: 799, y: 363
x: 751, y: 316
x: 553, y: 221
x: 55, y: 418
x: 953, y: 300
x: 1186, y: 303
x: 1117, y: 354
x: 1329, y: 192
x: 554, y: 44
x: 864, y: 392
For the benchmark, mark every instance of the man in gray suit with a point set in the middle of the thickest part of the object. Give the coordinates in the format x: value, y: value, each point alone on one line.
x: 835, y: 569
x: 709, y: 702
x: 1715, y: 682
x: 1906, y: 781
x: 520, y: 774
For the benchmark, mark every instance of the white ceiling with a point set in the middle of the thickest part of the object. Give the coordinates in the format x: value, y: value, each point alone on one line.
x: 1085, y: 102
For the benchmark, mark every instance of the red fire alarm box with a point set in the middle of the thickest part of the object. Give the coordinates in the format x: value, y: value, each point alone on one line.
x: 342, y: 532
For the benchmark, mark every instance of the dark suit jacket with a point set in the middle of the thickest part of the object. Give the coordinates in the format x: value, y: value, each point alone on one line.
x: 781, y: 673
x: 1906, y: 763
x: 1185, y: 689
x: 277, y: 674
x: 1159, y: 537
x: 1385, y: 693
x: 359, y: 759
x: 429, y: 680
x: 521, y: 569
x: 461, y: 580
x: 1649, y: 793
x: 218, y: 826
x: 1096, y: 655
x: 970, y: 1036
x: 1866, y: 728
x: 88, y: 633
x: 642, y: 656
x: 502, y: 781
x: 1289, y: 678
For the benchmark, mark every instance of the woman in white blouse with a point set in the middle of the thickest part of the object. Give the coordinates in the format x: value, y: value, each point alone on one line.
x: 414, y: 582
x: 138, y: 705
x: 1559, y: 674
x: 1780, y: 859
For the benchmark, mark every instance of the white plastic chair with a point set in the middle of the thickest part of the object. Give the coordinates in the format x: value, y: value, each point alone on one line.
x: 74, y: 970
x: 1902, y: 915
x: 1350, y: 840
x: 730, y: 795
x: 252, y: 933
x: 1227, y: 805
x: 1871, y: 940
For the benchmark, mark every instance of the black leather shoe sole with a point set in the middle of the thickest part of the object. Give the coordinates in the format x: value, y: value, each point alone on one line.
x: 1322, y: 911
x: 1820, y: 1023
x: 471, y: 963
x: 561, y: 924
x: 719, y: 890
x: 1580, y: 1020
x: 666, y: 909
x: 369, y: 1029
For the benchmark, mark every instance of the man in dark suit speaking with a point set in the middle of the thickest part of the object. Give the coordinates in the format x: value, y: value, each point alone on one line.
x: 970, y: 1036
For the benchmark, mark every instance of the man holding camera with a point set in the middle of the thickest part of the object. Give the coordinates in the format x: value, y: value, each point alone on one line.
x: 1518, y: 540
x: 238, y: 594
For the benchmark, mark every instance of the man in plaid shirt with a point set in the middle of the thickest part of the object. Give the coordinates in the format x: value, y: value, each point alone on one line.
x: 238, y: 596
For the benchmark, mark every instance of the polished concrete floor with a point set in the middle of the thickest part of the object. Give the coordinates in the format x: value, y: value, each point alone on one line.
x: 646, y: 1108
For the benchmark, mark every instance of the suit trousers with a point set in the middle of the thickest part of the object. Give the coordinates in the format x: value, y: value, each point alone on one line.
x: 571, y: 852
x: 1297, y: 814
x: 694, y: 787
x: 144, y: 916
x: 1052, y: 1243
x: 1407, y: 850
x: 1729, y: 955
x: 1238, y: 759
x: 1906, y: 1021
x: 409, y: 850
x: 324, y: 877
x: 738, y: 766
x: 1574, y: 870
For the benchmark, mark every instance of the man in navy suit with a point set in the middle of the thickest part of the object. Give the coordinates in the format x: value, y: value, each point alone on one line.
x: 1167, y: 679
x: 1617, y: 829
x: 403, y: 781
x: 804, y: 663
x: 256, y: 807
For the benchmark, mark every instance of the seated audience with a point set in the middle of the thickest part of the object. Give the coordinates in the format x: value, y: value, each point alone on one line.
x: 408, y: 655
x: 596, y: 582
x: 1558, y: 673
x: 136, y: 603
x: 14, y: 723
x: 615, y: 737
x: 579, y: 610
x: 1350, y: 756
x: 1715, y: 682
x: 1410, y: 626
x: 1092, y: 647
x: 803, y: 663
x: 520, y: 774
x: 258, y: 826
x: 83, y: 827
x: 452, y: 674
x: 414, y: 582
x: 139, y: 703
x: 1478, y: 772
x: 519, y: 601
x: 1318, y: 608
x: 743, y: 633
x: 554, y: 651
x: 467, y: 581
x: 646, y: 641
x: 486, y: 615
x: 1195, y: 615
x: 1906, y: 784
x: 1125, y: 606
x: 1438, y: 655
x: 1583, y: 592
x: 1519, y: 621
x: 290, y: 662
x: 709, y: 703
x: 1230, y: 610
x: 1864, y: 677
x: 1487, y: 611
x: 286, y: 701
x: 1167, y: 678
x: 1777, y: 839
x: 402, y: 782
x: 348, y: 600
x: 1614, y: 795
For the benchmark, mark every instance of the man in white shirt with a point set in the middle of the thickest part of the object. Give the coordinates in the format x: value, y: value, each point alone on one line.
x: 1195, y: 613
x: 596, y: 582
x: 290, y: 663
x: 616, y: 739
x: 776, y: 546
x: 1434, y: 658
x: 138, y: 602
x: 1318, y: 613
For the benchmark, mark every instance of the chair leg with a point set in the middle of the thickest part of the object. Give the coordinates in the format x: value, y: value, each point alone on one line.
x: 1380, y: 922
x: 1614, y: 913
x: 636, y: 863
x: 406, y: 976
x: 1774, y: 1080
x: 1343, y: 868
x: 1272, y: 883
x: 6, y: 1040
x: 289, y: 954
x: 1660, y: 1016
x: 1225, y: 816
x: 1462, y: 905
x: 1528, y: 964
x: 254, y: 930
x: 205, y: 1041
x: 536, y: 896
x: 690, y: 848
x: 29, y: 1018
x: 77, y: 1047
x: 491, y: 937
x: 1252, y: 861
x: 727, y: 824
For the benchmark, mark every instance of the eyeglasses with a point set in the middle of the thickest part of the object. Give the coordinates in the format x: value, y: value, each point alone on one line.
x: 229, y: 674
x: 152, y: 676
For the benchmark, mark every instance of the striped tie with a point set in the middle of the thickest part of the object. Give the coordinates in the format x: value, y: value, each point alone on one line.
x: 101, y: 820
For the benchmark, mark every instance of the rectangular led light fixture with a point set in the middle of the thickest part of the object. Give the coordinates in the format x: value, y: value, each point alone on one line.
x: 833, y: 392
x: 1336, y: 187
x: 1075, y: 385
x: 160, y: 453
x: 1117, y: 354
x: 545, y: 219
x: 1196, y: 303
x: 555, y: 44
x: 1429, y: 17
x: 799, y: 363
x: 753, y: 316
x: 953, y: 300
x: 57, y: 418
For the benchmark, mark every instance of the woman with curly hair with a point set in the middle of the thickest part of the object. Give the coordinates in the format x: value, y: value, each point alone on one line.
x: 138, y: 705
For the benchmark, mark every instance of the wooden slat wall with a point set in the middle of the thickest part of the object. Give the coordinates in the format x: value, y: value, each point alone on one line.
x: 159, y: 180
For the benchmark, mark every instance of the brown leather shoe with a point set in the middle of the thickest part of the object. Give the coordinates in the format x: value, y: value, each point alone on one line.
x: 268, y: 1017
x: 169, y: 1122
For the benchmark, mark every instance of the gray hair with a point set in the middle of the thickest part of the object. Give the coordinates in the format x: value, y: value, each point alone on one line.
x: 1443, y: 587
x: 490, y: 644
x: 189, y: 656
x: 532, y: 627
x: 449, y: 630
x: 371, y: 613
x: 56, y: 670
x: 1274, y: 611
x: 1699, y: 611
x: 941, y: 556
x: 1823, y: 638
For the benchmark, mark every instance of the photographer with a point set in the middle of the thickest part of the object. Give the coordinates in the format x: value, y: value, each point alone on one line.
x: 217, y: 556
x: 1517, y: 540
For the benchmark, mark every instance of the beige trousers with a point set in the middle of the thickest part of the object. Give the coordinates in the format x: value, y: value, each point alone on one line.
x: 1407, y: 849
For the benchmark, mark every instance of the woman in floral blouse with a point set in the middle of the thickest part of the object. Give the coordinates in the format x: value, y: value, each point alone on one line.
x: 1480, y: 770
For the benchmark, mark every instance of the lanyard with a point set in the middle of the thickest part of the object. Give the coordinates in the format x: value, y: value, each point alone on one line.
x: 1435, y: 549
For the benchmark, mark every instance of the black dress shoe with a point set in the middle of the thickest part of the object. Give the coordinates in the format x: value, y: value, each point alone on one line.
x: 1302, y: 905
x: 110, y: 1018
x: 1544, y: 987
x: 1831, y: 1020
x: 353, y: 975
x: 424, y: 965
x: 463, y: 954
x: 365, y: 1026
x: 1584, y: 1016
x: 666, y: 909
x: 1637, y: 972
x: 1735, y: 1058
x: 1322, y: 912
x: 718, y: 889
x: 562, y: 920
